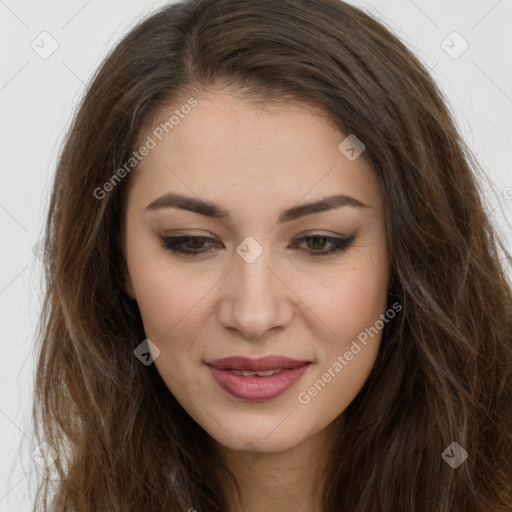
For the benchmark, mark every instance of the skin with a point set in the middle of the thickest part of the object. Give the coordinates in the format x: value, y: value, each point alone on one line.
x: 257, y: 162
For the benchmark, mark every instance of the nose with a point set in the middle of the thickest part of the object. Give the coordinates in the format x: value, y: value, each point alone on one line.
x: 255, y: 297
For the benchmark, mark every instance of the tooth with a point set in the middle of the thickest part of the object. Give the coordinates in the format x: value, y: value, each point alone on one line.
x: 266, y: 373
x: 262, y: 373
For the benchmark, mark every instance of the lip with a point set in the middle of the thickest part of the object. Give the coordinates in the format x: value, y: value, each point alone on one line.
x: 256, y: 388
x: 255, y: 365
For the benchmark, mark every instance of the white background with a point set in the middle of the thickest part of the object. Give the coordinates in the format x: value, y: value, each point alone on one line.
x: 38, y: 97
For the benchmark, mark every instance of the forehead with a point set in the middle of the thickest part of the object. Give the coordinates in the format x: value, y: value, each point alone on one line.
x: 231, y: 150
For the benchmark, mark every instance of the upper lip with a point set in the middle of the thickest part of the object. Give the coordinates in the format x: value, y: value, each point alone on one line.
x: 255, y: 365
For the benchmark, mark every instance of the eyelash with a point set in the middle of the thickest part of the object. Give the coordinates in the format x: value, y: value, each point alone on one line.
x: 174, y: 243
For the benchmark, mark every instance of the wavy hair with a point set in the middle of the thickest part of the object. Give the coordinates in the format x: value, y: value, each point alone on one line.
x: 444, y: 369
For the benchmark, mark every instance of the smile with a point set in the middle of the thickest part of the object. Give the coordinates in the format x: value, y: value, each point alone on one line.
x: 257, y: 379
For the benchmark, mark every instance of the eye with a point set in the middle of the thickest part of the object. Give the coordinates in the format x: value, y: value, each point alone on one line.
x: 316, y: 244
x: 187, y: 245
x: 194, y: 245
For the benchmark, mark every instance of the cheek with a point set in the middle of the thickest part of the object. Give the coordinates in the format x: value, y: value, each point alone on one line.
x: 157, y: 302
x: 163, y: 294
x: 347, y: 357
x: 174, y: 308
x: 337, y: 382
x: 350, y: 300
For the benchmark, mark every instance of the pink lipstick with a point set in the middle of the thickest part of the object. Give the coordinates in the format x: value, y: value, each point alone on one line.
x: 257, y: 379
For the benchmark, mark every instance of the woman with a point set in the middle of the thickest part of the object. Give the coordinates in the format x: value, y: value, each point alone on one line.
x: 271, y: 281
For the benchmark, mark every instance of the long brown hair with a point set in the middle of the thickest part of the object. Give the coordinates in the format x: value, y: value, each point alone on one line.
x: 444, y: 370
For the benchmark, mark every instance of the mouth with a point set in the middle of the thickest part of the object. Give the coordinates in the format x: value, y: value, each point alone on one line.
x: 257, y: 379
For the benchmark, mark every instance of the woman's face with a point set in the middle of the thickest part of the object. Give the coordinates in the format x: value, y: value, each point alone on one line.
x: 257, y: 285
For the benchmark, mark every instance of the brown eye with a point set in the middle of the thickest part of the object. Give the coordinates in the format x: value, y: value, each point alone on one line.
x: 316, y: 244
x: 186, y: 245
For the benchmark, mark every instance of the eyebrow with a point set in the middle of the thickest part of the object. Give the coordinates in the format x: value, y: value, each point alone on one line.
x: 210, y: 209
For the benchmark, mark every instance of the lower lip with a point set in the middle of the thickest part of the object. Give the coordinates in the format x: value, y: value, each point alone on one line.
x: 257, y: 388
